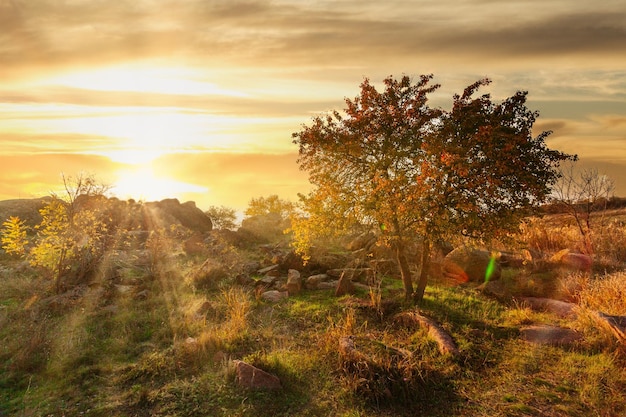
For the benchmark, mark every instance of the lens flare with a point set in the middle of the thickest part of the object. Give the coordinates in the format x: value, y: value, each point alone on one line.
x: 491, y: 267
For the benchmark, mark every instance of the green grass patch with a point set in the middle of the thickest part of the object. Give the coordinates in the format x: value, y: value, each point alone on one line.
x: 171, y: 353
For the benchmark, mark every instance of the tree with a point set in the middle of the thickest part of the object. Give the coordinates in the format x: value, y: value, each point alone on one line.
x: 394, y: 162
x: 70, y: 238
x: 222, y: 217
x: 262, y: 206
x: 14, y: 236
x: 581, y: 193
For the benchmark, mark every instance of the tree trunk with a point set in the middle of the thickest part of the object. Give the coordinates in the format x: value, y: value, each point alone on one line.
x: 405, y: 271
x: 423, y: 280
x: 59, y: 272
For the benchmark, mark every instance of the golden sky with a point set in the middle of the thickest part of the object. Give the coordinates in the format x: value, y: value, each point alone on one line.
x: 197, y: 99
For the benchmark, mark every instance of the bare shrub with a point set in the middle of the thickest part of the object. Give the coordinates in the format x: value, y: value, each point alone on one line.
x: 610, y: 244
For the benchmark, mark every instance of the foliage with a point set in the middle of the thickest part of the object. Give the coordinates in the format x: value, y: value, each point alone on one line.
x: 70, y: 239
x: 222, y: 217
x: 14, y: 236
x: 394, y: 163
x: 261, y: 206
x: 581, y: 194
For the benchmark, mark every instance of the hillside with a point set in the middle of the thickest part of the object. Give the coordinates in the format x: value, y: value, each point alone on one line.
x: 168, y: 321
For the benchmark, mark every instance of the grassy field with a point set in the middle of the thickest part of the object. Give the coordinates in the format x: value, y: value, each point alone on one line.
x: 156, y: 344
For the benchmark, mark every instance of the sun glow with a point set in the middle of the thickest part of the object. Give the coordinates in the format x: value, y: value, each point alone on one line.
x: 143, y: 79
x: 142, y: 183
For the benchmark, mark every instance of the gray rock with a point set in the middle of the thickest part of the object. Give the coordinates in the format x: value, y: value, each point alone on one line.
x: 328, y: 285
x: 294, y: 282
x: 560, y: 308
x: 267, y: 269
x: 313, y: 282
x: 274, y: 296
x: 549, y: 335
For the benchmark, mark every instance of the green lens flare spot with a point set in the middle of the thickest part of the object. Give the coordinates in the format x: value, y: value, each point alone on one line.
x: 491, y: 266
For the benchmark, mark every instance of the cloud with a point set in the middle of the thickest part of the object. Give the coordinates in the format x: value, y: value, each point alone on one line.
x: 297, y: 34
x: 210, y: 104
x: 25, y: 144
x: 291, y: 59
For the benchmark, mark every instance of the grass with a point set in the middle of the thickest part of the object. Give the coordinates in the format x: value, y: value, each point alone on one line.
x: 170, y: 351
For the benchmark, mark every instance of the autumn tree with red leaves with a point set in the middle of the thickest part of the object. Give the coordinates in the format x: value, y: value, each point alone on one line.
x: 394, y: 162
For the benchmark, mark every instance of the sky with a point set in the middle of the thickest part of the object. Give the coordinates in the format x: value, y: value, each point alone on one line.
x: 197, y: 99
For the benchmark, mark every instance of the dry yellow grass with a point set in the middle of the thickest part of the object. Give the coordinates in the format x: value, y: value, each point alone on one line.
x: 606, y: 293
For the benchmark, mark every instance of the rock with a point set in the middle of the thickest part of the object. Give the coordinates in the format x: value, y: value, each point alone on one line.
x: 572, y: 261
x: 245, y: 280
x: 312, y: 282
x: 274, y: 296
x: 549, y: 335
x: 355, y: 274
x: 362, y: 241
x: 251, y: 377
x: 26, y: 209
x: 266, y: 281
x: 328, y: 285
x: 267, y: 269
x: 617, y: 324
x: 294, y: 282
x: 142, y: 295
x: 495, y: 289
x: 515, y: 259
x: 274, y: 273
x: 291, y: 260
x: 560, y: 308
x: 467, y: 264
x: 170, y: 211
x: 345, y: 286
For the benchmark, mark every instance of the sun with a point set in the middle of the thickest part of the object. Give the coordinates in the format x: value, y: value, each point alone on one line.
x: 142, y: 184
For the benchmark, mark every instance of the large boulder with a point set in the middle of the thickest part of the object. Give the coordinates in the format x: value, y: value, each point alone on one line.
x: 362, y: 241
x: 170, y: 211
x: 466, y: 264
x: 572, y: 261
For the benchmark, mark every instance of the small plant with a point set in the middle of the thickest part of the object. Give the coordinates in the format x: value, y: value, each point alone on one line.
x: 14, y: 236
x: 238, y: 306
